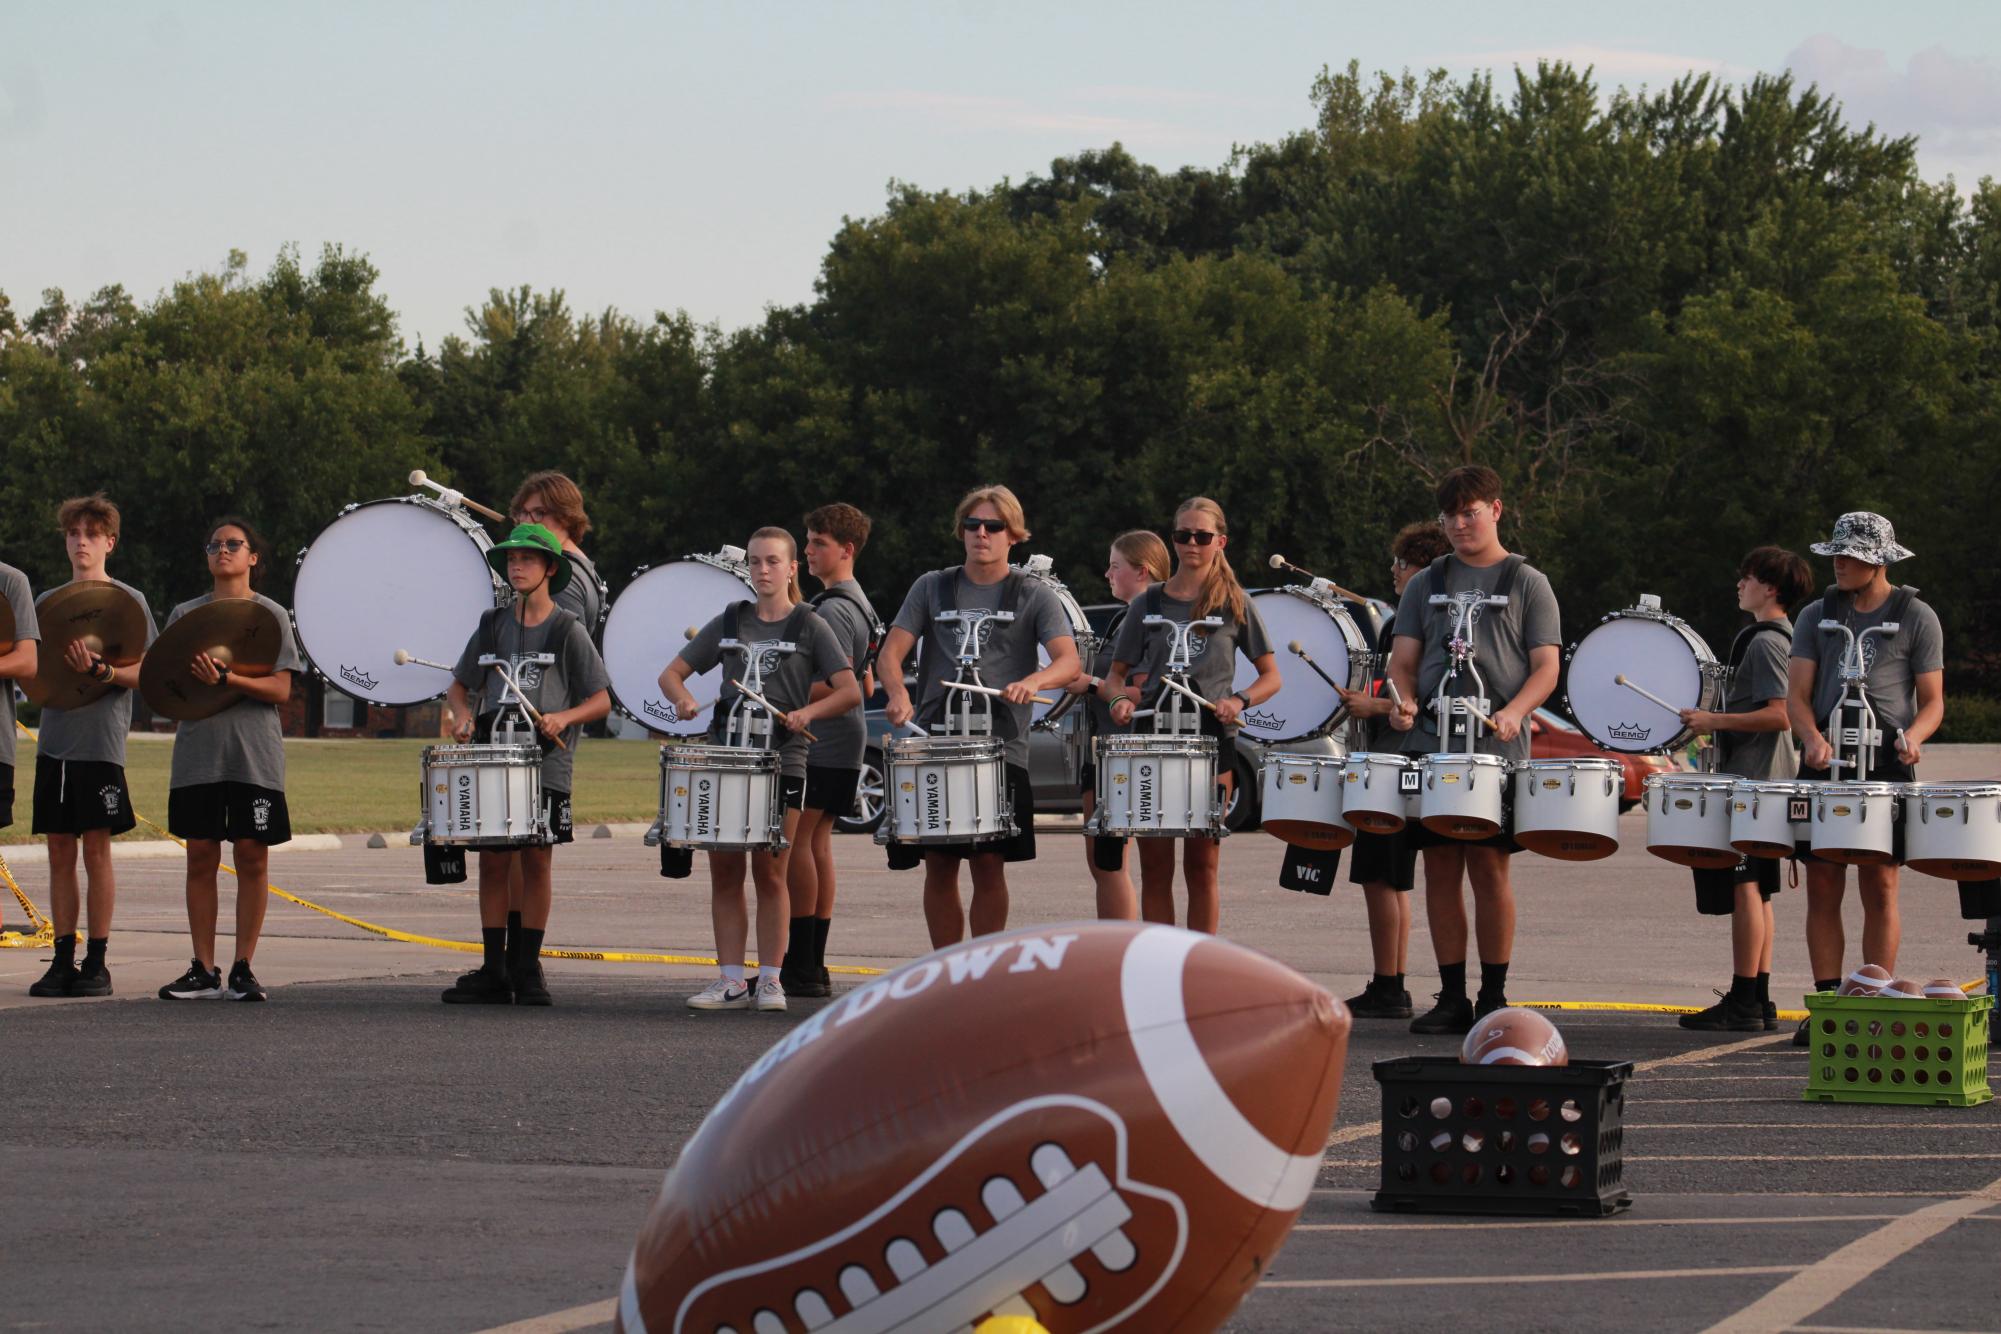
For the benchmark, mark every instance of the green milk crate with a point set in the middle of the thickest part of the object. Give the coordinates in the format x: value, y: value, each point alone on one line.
x: 1920, y: 1053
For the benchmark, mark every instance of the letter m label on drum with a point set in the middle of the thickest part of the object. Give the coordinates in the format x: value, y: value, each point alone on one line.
x: 1038, y: 952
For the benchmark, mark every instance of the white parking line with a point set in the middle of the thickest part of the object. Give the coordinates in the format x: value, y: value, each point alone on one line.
x: 562, y: 1322
x: 1624, y: 1220
x: 1486, y: 1280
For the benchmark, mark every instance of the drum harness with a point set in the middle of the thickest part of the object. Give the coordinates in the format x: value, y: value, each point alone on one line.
x: 970, y: 713
x: 1851, y: 723
x: 1176, y: 700
x: 1466, y: 606
x: 747, y: 724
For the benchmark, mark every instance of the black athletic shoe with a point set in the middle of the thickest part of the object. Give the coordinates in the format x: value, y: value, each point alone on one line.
x: 529, y: 988
x: 243, y: 984
x: 60, y: 980
x: 826, y: 981
x: 197, y: 983
x: 1452, y: 1014
x: 1374, y: 1004
x: 91, y: 981
x: 480, y: 987
x: 1726, y: 1016
x: 803, y: 988
x: 1486, y: 1003
x: 1771, y: 1016
x: 1803, y: 1035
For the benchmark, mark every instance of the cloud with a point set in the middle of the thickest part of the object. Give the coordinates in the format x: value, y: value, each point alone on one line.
x: 1953, y: 104
x: 1612, y: 64
x: 1066, y: 116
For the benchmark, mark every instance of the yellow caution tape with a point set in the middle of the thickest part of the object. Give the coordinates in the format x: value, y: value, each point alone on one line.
x: 44, y: 933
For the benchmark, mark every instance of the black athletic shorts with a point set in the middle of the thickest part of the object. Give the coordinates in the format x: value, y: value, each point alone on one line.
x: 1020, y: 848
x: 77, y: 796
x: 830, y: 789
x: 6, y: 792
x: 229, y: 812
x: 1882, y: 771
x: 792, y: 790
x: 1716, y: 890
x: 1384, y: 859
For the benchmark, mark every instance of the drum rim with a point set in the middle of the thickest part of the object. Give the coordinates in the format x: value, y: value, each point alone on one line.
x: 729, y: 757
x: 1156, y: 743
x: 1595, y: 763
x: 1966, y: 787
x: 1701, y: 782
x: 1394, y: 759
x: 913, y: 748
x: 1867, y: 788
x: 492, y: 749
x: 1707, y: 668
x: 1475, y: 757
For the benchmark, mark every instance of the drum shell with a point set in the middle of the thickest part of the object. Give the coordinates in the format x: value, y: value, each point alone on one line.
x: 1953, y: 830
x: 1302, y: 801
x: 1855, y: 824
x: 1152, y: 786
x: 1461, y: 795
x: 1688, y: 820
x: 1305, y: 706
x: 721, y: 798
x: 1568, y: 809
x: 1373, y: 798
x: 483, y: 795
x: 1619, y: 719
x: 1761, y: 824
x: 945, y: 790
x: 646, y: 627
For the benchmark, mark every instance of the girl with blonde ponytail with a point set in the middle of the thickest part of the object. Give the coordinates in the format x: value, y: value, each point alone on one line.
x: 1202, y: 585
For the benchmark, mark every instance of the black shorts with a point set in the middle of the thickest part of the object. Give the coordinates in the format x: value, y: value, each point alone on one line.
x: 1390, y: 859
x: 792, y: 790
x: 830, y: 789
x: 229, y: 812
x: 1716, y: 890
x: 1883, y: 771
x: 6, y: 792
x: 77, y: 796
x: 1020, y: 848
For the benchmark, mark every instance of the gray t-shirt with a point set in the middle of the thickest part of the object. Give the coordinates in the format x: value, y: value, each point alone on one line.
x: 1098, y: 715
x: 1502, y: 638
x: 788, y: 677
x: 582, y: 596
x: 14, y: 588
x: 576, y: 674
x: 1891, y: 664
x: 1760, y: 676
x: 96, y: 732
x: 1145, y: 648
x: 844, y: 739
x: 1007, y: 651
x: 244, y: 743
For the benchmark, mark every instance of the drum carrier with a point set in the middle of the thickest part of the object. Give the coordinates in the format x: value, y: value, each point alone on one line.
x: 488, y: 794
x: 1162, y: 783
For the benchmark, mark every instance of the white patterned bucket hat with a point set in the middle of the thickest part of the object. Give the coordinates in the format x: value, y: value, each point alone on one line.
x: 1866, y: 537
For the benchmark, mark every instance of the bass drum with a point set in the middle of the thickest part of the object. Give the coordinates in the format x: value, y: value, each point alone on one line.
x: 1661, y: 654
x: 403, y: 573
x: 1040, y: 569
x: 1305, y: 705
x: 648, y: 627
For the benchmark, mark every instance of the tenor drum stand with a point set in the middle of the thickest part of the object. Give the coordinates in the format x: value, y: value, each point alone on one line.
x: 1851, y: 724
x: 1466, y: 607
x: 516, y: 715
x: 1176, y: 702
x: 748, y: 723
x: 970, y: 712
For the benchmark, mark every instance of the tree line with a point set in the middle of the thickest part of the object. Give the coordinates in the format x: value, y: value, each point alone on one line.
x: 1679, y: 323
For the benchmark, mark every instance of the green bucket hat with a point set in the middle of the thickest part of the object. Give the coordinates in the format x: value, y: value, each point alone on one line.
x: 533, y: 537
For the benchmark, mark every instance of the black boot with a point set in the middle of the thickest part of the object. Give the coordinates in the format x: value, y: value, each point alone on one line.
x: 524, y: 968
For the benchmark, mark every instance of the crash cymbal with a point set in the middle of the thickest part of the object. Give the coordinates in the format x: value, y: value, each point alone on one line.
x: 239, y: 632
x: 109, y: 621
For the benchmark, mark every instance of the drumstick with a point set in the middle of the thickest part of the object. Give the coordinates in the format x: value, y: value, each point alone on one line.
x: 774, y: 710
x: 1173, y: 684
x: 988, y: 690
x: 1279, y: 562
x: 451, y: 497
x: 1642, y: 690
x: 403, y: 655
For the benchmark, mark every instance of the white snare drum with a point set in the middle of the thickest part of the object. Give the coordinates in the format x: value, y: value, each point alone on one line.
x: 1569, y: 809
x: 721, y: 798
x: 483, y: 795
x: 1302, y: 800
x: 1856, y: 823
x: 945, y: 789
x: 1305, y: 705
x: 1157, y: 785
x: 648, y: 626
x: 1953, y: 830
x: 1461, y: 795
x: 1376, y: 787
x: 1770, y: 817
x: 403, y: 573
x: 1653, y: 650
x: 1688, y: 819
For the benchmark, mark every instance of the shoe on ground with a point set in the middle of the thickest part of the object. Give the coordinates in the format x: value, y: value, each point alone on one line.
x: 243, y: 984
x: 802, y: 986
x: 1803, y: 1035
x: 1727, y: 1016
x: 721, y: 994
x: 770, y: 995
x: 482, y: 986
x: 60, y: 980
x: 91, y: 982
x: 826, y: 981
x: 1486, y: 1003
x: 197, y: 983
x: 1374, y: 1004
x: 1452, y: 1014
x: 529, y: 986
x: 1771, y: 1016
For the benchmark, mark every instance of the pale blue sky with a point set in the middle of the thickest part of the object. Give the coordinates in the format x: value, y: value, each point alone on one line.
x: 700, y: 157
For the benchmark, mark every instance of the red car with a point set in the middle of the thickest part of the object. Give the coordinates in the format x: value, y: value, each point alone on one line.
x: 1554, y: 737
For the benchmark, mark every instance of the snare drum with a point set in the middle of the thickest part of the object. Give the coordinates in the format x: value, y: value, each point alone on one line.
x: 484, y: 795
x: 945, y: 789
x: 1569, y: 809
x: 1770, y: 817
x: 1375, y: 791
x: 721, y: 798
x: 1953, y: 830
x: 648, y: 626
x: 1305, y: 705
x: 1656, y: 651
x: 1688, y: 819
x: 1461, y: 794
x: 1302, y: 801
x: 1855, y: 824
x: 1157, y: 785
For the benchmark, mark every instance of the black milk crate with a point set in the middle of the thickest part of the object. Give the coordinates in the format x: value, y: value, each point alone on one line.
x: 1503, y: 1139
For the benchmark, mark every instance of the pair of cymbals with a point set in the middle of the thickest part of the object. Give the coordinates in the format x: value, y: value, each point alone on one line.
x: 240, y: 633
x: 110, y: 623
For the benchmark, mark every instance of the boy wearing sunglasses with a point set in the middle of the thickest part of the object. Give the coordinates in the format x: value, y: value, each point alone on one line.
x: 989, y: 521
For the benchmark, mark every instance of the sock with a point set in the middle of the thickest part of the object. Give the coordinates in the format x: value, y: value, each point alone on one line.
x: 821, y: 926
x: 1396, y: 984
x: 1764, y: 992
x: 1743, y: 990
x: 1493, y: 979
x: 733, y: 972
x: 513, y: 933
x: 1385, y: 984
x: 1452, y: 979
x: 93, y: 953
x: 65, y: 949
x: 798, y: 946
x: 493, y: 942
x: 531, y: 946
x: 1826, y: 983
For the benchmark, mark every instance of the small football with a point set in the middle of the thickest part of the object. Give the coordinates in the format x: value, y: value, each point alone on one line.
x: 1864, y: 981
x: 1902, y: 988
x: 1514, y: 1036
x: 1944, y: 988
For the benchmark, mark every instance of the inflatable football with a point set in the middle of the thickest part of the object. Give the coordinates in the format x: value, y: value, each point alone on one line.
x: 1944, y: 988
x: 1513, y: 1036
x: 1098, y: 1126
x: 1867, y: 980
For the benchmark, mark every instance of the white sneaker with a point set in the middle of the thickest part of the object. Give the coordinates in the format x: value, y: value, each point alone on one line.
x: 770, y: 992
x: 721, y: 994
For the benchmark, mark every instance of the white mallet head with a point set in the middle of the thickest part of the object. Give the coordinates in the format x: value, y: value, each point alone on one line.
x: 691, y: 632
x: 1277, y: 561
x: 1296, y: 647
x: 418, y: 478
x: 402, y: 656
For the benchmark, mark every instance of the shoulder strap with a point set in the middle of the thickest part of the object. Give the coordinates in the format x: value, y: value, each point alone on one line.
x: 1899, y: 605
x: 1506, y: 584
x: 1745, y: 637
x: 948, y: 588
x: 1150, y: 601
x: 733, y: 619
x: 1833, y: 603
x: 1011, y: 589
x: 795, y: 620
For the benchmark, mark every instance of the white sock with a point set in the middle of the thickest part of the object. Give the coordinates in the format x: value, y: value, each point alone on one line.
x: 767, y: 977
x: 733, y: 972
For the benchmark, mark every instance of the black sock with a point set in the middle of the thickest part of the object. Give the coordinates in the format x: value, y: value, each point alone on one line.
x: 1743, y: 990
x: 821, y: 926
x: 1452, y: 979
x: 1826, y: 983
x: 1385, y: 984
x: 798, y: 946
x: 531, y: 947
x: 1764, y: 987
x: 65, y: 945
x: 1396, y: 984
x: 513, y: 925
x: 493, y: 942
x: 1493, y: 979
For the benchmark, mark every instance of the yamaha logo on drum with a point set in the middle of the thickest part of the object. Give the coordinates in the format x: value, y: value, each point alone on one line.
x: 1628, y: 732
x: 463, y: 811
x: 356, y: 677
x: 705, y: 807
x: 934, y: 799
x: 1143, y: 798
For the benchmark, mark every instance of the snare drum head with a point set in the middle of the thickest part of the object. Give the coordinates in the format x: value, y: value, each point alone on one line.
x: 1662, y: 657
x: 647, y: 629
x: 1304, y: 704
x: 388, y: 575
x: 1080, y: 630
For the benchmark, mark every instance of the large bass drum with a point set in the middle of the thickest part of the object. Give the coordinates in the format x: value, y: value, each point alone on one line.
x: 403, y: 573
x: 1659, y: 653
x: 648, y: 627
x: 1305, y: 705
x: 1040, y: 569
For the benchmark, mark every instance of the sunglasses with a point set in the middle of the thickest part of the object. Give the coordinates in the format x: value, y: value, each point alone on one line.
x: 221, y: 544
x: 975, y: 525
x: 1200, y: 537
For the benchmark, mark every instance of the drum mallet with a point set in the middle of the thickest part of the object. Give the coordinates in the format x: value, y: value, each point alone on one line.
x: 1298, y: 650
x: 771, y: 708
x: 451, y: 497
x: 1279, y: 562
x: 403, y: 656
x: 1645, y: 693
x: 989, y: 690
